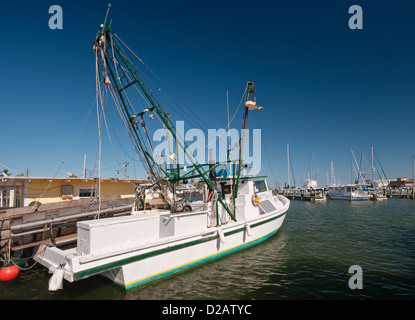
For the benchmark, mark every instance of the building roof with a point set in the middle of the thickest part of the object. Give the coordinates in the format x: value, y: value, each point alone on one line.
x: 22, y: 178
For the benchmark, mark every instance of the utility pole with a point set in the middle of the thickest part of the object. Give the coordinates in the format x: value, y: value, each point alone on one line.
x: 84, y: 169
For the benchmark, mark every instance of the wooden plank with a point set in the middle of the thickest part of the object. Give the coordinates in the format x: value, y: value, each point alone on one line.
x: 6, y: 224
x: 5, y: 235
x: 11, y: 213
x: 65, y: 218
x: 59, y: 240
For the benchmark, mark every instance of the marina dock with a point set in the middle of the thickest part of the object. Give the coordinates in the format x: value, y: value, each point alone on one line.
x: 320, y: 194
x: 403, y: 193
x: 314, y: 195
x: 54, y: 223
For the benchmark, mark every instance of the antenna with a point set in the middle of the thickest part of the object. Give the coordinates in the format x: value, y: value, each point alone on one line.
x: 102, y: 26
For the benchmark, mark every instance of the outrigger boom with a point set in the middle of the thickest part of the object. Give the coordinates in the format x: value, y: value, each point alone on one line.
x: 119, y: 73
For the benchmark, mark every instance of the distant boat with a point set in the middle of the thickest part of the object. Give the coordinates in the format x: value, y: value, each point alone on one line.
x: 311, y: 186
x: 310, y: 183
x: 352, y: 192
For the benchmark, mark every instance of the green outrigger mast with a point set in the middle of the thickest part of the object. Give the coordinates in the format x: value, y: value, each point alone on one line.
x: 118, y: 73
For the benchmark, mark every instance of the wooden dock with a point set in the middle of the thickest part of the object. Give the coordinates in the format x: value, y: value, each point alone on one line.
x: 378, y: 195
x: 56, y: 222
x: 402, y: 193
x: 314, y: 195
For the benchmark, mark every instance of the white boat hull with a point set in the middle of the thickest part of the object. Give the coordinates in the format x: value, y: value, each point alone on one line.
x: 353, y: 198
x: 106, y: 247
x: 194, y: 251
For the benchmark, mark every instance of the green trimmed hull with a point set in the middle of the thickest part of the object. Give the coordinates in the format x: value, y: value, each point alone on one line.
x: 164, y: 262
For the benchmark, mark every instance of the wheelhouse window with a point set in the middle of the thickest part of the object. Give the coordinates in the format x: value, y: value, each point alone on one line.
x: 260, y: 186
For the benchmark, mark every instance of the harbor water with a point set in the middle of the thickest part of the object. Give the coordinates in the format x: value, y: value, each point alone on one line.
x: 309, y: 258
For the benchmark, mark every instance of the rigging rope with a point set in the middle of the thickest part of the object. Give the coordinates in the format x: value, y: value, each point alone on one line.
x: 35, y: 207
x: 266, y: 152
x: 188, y: 108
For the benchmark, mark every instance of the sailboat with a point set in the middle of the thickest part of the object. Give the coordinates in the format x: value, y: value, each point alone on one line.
x: 310, y: 183
x: 311, y: 188
x: 238, y: 212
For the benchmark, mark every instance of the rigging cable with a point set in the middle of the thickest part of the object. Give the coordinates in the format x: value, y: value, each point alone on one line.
x: 119, y: 80
x: 266, y: 152
x: 122, y: 116
x: 188, y: 108
x: 380, y: 165
x: 35, y: 207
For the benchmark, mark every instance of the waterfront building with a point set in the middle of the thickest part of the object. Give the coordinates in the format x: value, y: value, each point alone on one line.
x: 18, y: 191
x: 401, y: 183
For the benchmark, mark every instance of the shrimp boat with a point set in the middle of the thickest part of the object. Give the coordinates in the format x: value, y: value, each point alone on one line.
x: 237, y: 212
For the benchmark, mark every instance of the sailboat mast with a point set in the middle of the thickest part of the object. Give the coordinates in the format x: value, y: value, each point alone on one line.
x: 351, y: 166
x: 362, y: 168
x: 373, y: 167
x: 311, y: 166
x: 288, y: 164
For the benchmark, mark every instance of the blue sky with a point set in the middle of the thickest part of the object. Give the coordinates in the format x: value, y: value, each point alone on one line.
x: 324, y: 87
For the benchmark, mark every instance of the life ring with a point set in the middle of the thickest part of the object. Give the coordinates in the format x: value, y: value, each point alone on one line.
x: 255, y: 200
